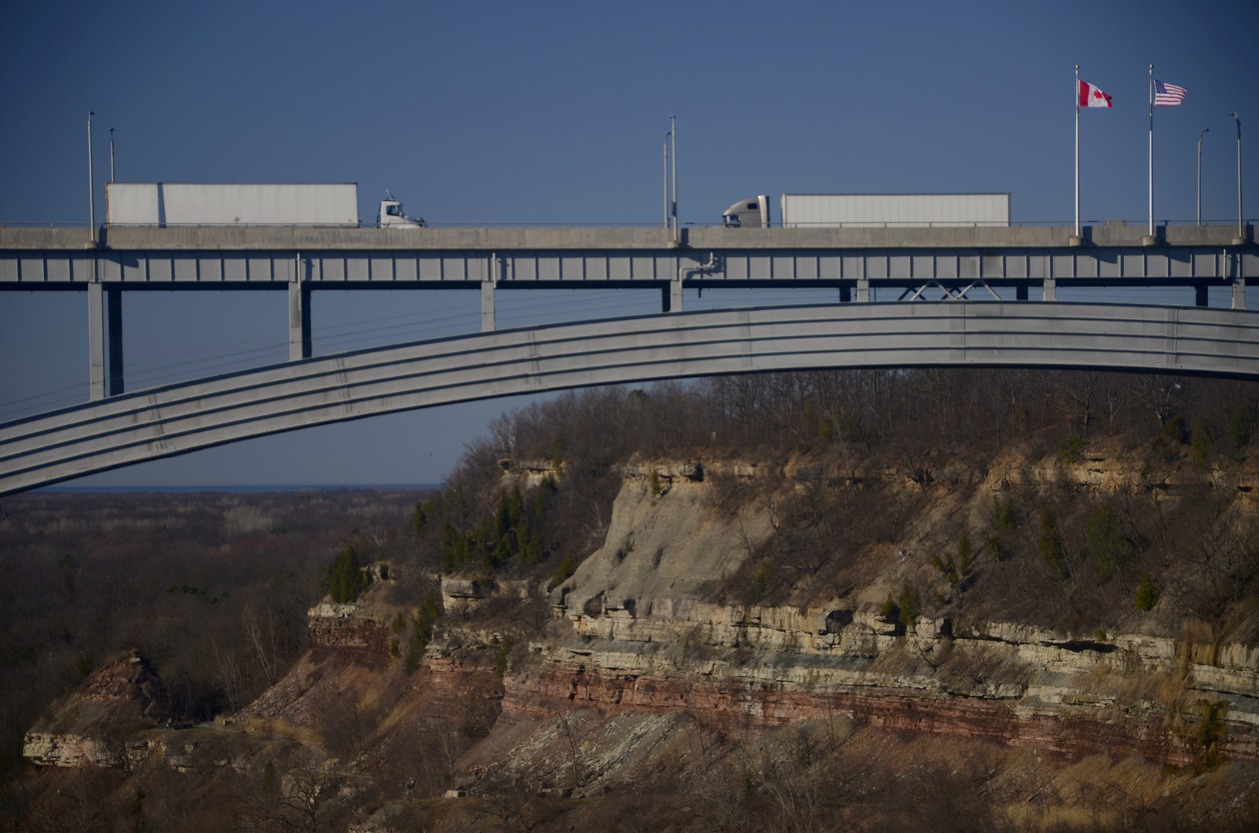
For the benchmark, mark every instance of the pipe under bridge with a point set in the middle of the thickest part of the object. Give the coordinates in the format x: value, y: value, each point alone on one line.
x: 914, y: 263
x: 162, y: 422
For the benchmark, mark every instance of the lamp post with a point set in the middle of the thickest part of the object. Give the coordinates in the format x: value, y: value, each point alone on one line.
x: 91, y: 195
x: 665, y: 223
x: 1241, y: 231
x: 1204, y: 132
x: 673, y: 159
x: 111, y: 156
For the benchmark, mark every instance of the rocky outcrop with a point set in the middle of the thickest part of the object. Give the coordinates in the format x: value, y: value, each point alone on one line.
x: 348, y: 626
x: 95, y: 725
x: 647, y: 635
x: 363, y: 624
x: 745, y: 666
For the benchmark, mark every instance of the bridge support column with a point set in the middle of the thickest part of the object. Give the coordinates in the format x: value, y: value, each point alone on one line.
x: 299, y: 321
x: 863, y: 290
x: 1020, y: 292
x: 1051, y: 290
x: 845, y: 294
x: 104, y: 340
x: 1200, y: 296
x: 487, y: 306
x: 671, y: 297
x: 1239, y: 293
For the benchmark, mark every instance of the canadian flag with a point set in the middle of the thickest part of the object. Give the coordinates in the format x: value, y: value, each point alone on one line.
x: 1091, y: 96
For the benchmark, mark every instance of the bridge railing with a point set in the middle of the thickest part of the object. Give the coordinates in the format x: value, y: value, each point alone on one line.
x: 614, y: 224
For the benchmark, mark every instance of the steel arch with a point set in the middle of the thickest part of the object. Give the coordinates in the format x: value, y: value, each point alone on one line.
x: 177, y: 419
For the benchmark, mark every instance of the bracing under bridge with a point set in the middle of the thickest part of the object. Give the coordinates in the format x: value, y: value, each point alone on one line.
x: 162, y: 422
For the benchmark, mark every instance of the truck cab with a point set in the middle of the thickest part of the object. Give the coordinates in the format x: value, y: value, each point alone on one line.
x: 392, y: 215
x: 749, y: 213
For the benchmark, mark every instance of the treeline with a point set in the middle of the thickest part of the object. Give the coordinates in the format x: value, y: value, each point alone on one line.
x: 878, y: 409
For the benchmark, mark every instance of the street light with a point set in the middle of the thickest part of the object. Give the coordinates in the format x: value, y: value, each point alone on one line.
x: 1241, y: 231
x: 1204, y: 132
x: 91, y: 196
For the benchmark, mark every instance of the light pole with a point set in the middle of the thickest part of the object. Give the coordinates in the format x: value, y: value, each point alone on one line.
x: 1204, y: 132
x: 91, y: 194
x: 111, y: 157
x: 666, y: 180
x: 1241, y: 231
x: 673, y: 159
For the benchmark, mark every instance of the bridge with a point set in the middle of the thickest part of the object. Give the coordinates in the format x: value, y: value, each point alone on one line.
x: 1002, y: 266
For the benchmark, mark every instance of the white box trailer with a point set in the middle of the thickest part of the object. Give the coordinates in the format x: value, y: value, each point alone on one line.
x: 230, y: 204
x: 894, y: 210
x: 873, y: 211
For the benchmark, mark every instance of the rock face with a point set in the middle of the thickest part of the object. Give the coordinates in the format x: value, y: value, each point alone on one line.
x: 348, y: 626
x: 94, y: 725
x: 647, y: 635
x: 757, y: 667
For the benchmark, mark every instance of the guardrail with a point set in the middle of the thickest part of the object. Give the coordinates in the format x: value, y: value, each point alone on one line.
x: 456, y: 224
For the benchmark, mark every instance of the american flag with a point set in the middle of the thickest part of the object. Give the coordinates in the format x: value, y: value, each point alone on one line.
x: 1168, y: 95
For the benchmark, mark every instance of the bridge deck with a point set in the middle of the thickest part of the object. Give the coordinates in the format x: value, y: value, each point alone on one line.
x: 272, y: 257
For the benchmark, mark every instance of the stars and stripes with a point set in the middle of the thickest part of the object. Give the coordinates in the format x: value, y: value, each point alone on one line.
x: 1168, y: 95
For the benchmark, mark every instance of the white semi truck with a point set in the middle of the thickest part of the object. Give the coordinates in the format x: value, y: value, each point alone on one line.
x: 244, y: 204
x: 873, y: 211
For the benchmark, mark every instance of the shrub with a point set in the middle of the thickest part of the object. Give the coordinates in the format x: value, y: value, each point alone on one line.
x: 1071, y: 449
x: 85, y: 664
x: 909, y: 605
x: 1148, y: 593
x: 1200, y: 443
x: 762, y: 576
x: 504, y: 654
x: 1174, y: 430
x: 993, y: 544
x: 424, y: 513
x: 562, y: 573
x: 1106, y: 540
x: 1241, y: 425
x: 1211, y: 731
x: 965, y: 554
x: 1049, y: 542
x: 889, y: 612
x: 1003, y: 514
x: 422, y: 622
x: 345, y: 579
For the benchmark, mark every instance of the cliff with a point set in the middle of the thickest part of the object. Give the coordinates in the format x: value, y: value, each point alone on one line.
x: 648, y: 633
x: 748, y: 637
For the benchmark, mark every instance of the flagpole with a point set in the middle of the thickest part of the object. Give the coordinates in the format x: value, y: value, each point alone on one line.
x: 1151, y: 232
x: 1077, y: 150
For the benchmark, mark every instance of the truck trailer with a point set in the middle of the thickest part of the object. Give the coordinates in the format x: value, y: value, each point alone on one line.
x: 873, y: 211
x: 165, y: 204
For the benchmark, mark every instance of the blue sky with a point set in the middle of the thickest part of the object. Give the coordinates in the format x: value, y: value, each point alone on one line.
x: 555, y: 112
